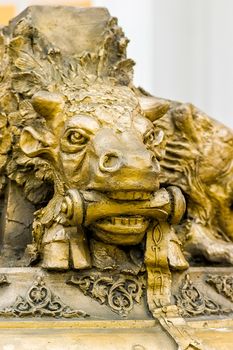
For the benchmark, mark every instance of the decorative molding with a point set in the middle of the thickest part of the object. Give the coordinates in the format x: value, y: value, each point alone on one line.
x: 40, y: 301
x: 119, y: 292
x: 223, y: 284
x: 192, y: 302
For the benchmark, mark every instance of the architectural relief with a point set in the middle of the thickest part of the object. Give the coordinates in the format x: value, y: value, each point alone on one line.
x: 192, y: 302
x: 40, y: 301
x: 222, y: 284
x: 82, y: 139
x: 119, y: 292
x: 100, y: 177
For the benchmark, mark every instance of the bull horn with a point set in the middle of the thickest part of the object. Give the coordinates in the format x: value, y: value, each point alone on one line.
x: 47, y: 104
x: 154, y: 108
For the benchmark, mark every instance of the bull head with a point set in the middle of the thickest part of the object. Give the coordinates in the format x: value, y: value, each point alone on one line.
x: 109, y: 157
x: 89, y: 151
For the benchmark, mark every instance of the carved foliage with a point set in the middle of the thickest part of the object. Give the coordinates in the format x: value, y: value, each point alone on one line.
x: 222, y: 284
x: 40, y: 301
x: 194, y: 303
x: 119, y: 292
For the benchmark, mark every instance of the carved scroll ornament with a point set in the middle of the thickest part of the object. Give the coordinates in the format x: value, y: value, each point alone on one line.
x: 222, y: 284
x: 192, y: 302
x: 40, y: 301
x: 119, y: 292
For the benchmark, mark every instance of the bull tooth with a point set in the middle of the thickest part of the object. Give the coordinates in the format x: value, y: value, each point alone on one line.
x: 136, y: 195
x: 113, y: 220
x: 123, y: 195
x: 140, y: 195
x: 130, y: 195
x: 117, y: 221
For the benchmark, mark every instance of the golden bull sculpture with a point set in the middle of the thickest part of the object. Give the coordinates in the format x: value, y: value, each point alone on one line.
x: 120, y: 200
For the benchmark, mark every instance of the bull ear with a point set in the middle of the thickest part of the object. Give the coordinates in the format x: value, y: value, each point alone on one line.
x: 154, y: 108
x: 34, y: 143
x: 48, y: 105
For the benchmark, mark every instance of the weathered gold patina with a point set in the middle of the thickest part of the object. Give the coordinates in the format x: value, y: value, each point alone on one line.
x: 115, y: 203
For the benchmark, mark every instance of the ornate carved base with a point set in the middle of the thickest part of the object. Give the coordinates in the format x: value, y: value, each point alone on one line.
x: 41, y: 310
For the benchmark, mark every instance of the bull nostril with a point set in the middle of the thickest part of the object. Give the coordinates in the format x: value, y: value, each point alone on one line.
x: 110, y: 161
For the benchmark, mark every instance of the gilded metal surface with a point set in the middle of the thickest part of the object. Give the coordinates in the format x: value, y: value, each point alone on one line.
x: 98, y: 176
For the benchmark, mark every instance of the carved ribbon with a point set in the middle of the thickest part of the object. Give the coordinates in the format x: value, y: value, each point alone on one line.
x: 158, y: 272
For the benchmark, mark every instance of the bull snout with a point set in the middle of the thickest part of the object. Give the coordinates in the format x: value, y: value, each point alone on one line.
x: 113, y: 160
x: 120, y: 161
x: 142, y: 160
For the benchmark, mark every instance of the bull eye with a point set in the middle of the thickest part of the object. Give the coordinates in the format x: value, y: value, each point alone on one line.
x: 74, y: 140
x: 77, y: 138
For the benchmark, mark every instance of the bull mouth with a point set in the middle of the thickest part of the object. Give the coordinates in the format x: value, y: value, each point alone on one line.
x: 122, y: 230
x: 123, y: 224
x: 120, y: 219
x: 130, y: 195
